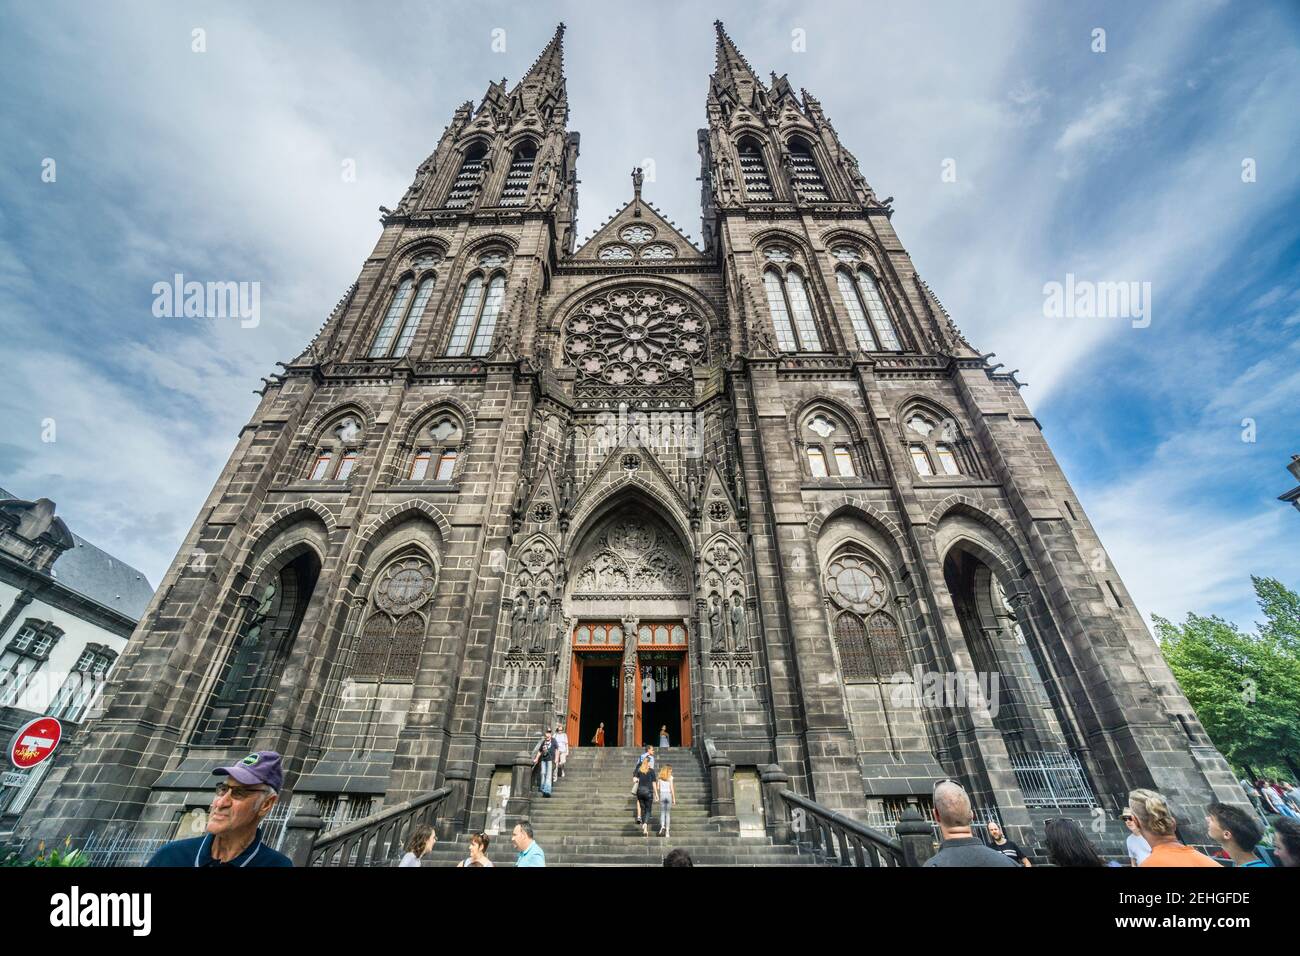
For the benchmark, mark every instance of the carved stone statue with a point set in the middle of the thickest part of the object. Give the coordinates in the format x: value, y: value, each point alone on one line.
x: 715, y: 626
x: 541, y: 623
x: 518, y: 623
x: 739, y: 632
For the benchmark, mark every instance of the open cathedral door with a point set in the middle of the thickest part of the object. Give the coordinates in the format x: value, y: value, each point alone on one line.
x: 575, y: 700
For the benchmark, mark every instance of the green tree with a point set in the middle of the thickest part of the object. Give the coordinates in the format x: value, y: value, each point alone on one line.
x: 1245, y: 688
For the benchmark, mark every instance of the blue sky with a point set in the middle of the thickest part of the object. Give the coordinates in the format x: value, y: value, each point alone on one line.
x: 1123, y: 165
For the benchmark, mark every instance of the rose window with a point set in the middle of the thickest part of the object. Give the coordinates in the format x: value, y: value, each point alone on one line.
x: 635, y: 337
x: 856, y: 583
x: 405, y: 585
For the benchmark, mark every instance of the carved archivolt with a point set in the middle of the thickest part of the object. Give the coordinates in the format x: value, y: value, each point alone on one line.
x: 630, y: 557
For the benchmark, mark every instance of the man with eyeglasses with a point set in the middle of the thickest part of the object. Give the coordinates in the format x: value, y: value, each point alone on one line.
x: 234, y: 838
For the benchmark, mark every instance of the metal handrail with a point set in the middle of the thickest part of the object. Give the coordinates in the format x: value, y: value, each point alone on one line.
x: 839, y: 839
x: 369, y: 841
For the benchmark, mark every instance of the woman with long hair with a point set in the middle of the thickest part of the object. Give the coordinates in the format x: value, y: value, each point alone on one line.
x: 422, y: 840
x: 647, y: 787
x: 478, y: 847
x: 1067, y: 845
x: 667, y: 797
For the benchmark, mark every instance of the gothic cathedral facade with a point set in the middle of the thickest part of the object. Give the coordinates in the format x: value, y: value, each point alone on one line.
x: 760, y: 492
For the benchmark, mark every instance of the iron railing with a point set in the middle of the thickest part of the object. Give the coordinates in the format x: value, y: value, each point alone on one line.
x: 377, y: 839
x: 1052, y: 779
x: 123, y: 849
x: 836, y: 839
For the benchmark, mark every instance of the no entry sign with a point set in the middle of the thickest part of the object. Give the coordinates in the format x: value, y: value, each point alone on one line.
x: 34, y: 742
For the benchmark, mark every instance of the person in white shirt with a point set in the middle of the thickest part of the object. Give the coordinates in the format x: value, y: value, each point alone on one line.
x: 561, y: 738
x: 1138, y: 848
x: 423, y: 839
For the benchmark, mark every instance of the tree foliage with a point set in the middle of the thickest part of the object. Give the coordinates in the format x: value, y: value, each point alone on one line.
x: 1245, y: 688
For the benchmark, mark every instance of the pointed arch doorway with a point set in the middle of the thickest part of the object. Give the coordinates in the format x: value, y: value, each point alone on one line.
x: 630, y: 607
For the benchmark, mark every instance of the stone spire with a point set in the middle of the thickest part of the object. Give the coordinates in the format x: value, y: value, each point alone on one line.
x: 545, y: 78
x: 730, y: 67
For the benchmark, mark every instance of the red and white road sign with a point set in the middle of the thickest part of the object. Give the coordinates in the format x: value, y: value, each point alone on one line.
x: 34, y: 742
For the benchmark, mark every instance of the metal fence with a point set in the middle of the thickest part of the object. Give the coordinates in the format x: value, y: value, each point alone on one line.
x: 123, y: 849
x: 1052, y: 779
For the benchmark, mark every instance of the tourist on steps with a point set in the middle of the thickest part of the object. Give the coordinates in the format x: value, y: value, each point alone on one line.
x: 599, y: 738
x: 646, y: 786
x: 562, y: 740
x: 478, y: 847
x: 423, y: 840
x: 545, y: 755
x: 663, y: 738
x: 530, y: 853
x: 960, y: 847
x: 667, y: 797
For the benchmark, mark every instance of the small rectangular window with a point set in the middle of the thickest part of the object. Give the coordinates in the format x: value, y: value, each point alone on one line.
x: 420, y: 466
x: 23, y: 640
x: 322, y: 466
x: 817, y: 462
x: 947, y: 460
x: 921, y: 461
x: 446, y: 465
x: 844, y: 461
x: 345, y: 465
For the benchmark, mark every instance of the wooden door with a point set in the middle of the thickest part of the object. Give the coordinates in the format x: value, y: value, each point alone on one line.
x: 575, y: 700
x: 684, y: 696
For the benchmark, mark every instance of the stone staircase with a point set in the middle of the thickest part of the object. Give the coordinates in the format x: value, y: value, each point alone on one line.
x: 590, y: 820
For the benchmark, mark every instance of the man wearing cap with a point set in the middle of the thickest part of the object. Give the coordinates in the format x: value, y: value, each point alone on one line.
x: 234, y: 837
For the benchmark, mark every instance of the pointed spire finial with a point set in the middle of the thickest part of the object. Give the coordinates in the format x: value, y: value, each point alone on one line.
x: 731, y: 63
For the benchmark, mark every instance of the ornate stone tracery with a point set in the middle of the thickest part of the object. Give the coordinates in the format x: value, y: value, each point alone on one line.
x: 635, y: 336
x: 392, y: 637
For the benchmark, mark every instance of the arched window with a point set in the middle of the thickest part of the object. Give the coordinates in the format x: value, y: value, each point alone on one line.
x: 336, y: 451
x: 866, y: 307
x: 787, y: 300
x: 520, y: 174
x: 933, y: 444
x: 392, y: 637
x: 250, y: 675
x: 803, y: 170
x: 467, y: 180
x: 480, y: 306
x: 437, y: 449
x: 389, y: 342
x: 829, y: 448
x: 867, y: 638
x: 753, y: 171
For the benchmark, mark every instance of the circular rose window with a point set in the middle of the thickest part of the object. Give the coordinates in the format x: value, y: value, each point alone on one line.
x: 635, y: 336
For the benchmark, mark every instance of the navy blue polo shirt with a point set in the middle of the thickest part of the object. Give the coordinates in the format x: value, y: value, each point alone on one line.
x: 197, y: 851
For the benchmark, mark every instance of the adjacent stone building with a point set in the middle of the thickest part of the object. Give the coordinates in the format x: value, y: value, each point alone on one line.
x: 759, y: 491
x: 66, y: 611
